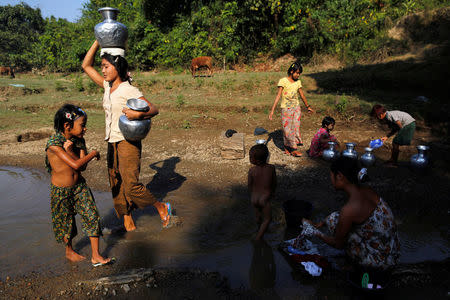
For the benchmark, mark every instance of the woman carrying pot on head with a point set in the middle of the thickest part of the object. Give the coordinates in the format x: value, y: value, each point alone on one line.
x: 123, y: 157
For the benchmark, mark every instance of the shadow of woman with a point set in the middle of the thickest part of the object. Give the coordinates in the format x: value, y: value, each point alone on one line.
x: 277, y: 137
x: 262, y: 273
x: 166, y: 179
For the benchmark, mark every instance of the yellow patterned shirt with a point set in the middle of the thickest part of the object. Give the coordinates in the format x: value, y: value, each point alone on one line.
x: 290, y: 94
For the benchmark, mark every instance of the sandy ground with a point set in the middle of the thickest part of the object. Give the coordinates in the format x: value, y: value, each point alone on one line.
x: 194, y: 155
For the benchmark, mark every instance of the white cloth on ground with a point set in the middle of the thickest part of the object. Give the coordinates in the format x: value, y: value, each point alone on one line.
x: 312, y: 268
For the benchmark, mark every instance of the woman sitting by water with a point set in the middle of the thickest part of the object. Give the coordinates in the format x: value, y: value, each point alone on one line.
x: 365, y: 226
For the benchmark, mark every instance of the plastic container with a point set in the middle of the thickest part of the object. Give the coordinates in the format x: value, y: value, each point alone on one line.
x: 374, y: 144
x: 295, y: 211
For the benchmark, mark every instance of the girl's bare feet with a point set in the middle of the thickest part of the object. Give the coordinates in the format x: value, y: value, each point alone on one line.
x: 128, y: 223
x: 73, y: 256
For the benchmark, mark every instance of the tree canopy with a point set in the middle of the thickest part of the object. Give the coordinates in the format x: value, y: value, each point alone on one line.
x: 169, y: 33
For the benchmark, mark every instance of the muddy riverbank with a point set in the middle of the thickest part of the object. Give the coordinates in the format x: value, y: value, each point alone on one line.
x: 210, y: 198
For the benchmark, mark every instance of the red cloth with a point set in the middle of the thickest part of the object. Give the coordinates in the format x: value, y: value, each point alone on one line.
x: 315, y: 258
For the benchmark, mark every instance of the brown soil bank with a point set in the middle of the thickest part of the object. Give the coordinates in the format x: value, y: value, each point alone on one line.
x: 421, y: 281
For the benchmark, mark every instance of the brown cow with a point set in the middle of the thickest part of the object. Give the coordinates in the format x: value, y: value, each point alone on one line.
x: 200, y: 62
x: 7, y: 71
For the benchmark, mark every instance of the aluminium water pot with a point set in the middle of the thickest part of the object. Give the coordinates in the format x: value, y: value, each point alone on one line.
x: 368, y: 158
x: 350, y: 151
x: 330, y: 153
x: 135, y: 130
x: 110, y: 33
x: 420, y: 160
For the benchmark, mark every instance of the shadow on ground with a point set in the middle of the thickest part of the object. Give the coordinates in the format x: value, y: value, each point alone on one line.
x: 415, y: 85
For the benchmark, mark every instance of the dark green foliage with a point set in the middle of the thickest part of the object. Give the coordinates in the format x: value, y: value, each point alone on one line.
x: 168, y: 34
x: 78, y: 83
x: 20, y: 26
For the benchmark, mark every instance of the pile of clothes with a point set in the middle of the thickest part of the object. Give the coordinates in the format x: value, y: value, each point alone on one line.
x: 302, y: 251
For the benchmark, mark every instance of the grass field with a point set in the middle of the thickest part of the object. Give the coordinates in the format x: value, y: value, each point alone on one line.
x: 187, y: 102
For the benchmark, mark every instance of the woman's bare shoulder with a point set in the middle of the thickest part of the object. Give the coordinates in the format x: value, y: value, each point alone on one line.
x: 370, y: 194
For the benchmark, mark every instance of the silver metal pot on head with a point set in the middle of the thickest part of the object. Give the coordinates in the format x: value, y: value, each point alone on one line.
x: 110, y: 33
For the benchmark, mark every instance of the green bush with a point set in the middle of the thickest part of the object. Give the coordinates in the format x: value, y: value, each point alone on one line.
x: 180, y: 101
x: 169, y: 34
x: 341, y: 106
x: 92, y: 87
x: 59, y: 87
x: 186, y: 124
x: 79, y: 84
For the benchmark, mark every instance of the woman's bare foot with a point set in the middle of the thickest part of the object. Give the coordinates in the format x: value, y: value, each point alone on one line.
x: 128, y: 223
x: 98, y: 259
x: 165, y: 218
x: 73, y: 256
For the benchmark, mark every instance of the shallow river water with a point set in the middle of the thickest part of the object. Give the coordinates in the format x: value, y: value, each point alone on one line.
x: 27, y: 243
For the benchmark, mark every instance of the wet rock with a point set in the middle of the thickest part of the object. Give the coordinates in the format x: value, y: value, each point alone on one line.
x: 176, y: 221
x: 232, y: 147
x: 131, y: 276
x: 126, y: 288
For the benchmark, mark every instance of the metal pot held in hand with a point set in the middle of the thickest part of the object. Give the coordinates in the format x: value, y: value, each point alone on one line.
x: 135, y: 130
x: 330, y: 153
x: 350, y: 151
x: 110, y: 33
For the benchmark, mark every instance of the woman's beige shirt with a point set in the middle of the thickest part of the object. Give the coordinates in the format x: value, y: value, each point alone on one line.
x: 113, y: 103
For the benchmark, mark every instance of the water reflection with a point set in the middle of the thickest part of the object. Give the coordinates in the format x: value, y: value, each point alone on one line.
x: 25, y: 231
x: 262, y: 271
